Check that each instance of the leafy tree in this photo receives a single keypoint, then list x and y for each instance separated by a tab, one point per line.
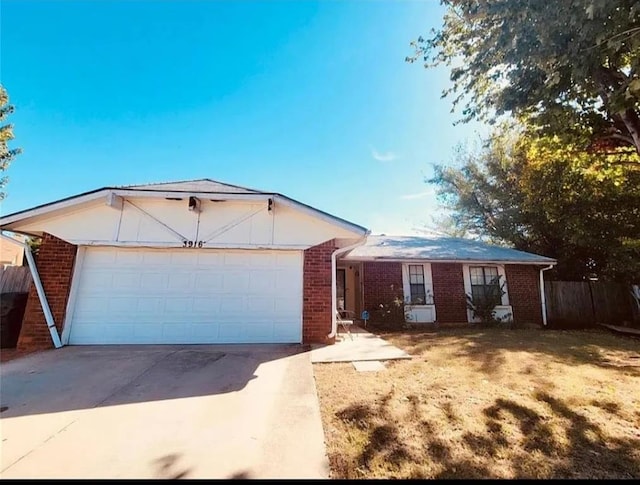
544	196
6	134
571	67
34	244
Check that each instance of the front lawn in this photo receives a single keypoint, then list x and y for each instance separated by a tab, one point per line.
478	403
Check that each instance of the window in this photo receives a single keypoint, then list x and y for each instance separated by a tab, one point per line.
485	284
416	284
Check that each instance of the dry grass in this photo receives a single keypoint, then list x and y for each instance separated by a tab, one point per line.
488	403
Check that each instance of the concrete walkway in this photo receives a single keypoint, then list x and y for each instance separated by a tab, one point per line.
198	411
363	346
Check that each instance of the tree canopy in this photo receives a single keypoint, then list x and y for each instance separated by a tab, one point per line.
6	134
539	194
568	67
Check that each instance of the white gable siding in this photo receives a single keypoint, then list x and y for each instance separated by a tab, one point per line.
166	223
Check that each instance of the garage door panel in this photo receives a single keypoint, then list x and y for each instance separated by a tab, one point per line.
229	332
187	296
177	305
284	332
96	280
100	257
207	331
148	332
153	280
150	305
122	304
124	257
262	281
209	258
180	281
261	260
235	281
207	282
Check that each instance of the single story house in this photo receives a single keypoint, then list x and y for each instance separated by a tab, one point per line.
208	262
432	276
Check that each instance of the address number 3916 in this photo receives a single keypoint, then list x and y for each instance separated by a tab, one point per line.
192	244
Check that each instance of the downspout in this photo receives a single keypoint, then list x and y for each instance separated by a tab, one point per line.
51	324
334	296
543	299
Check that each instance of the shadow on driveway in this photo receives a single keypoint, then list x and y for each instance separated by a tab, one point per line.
93	376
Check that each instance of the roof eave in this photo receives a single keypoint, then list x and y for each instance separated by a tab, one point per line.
382	259
45	209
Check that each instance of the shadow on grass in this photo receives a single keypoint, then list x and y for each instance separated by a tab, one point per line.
579	450
487	346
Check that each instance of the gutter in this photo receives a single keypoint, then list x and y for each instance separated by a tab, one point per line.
334	296
51	324
543	300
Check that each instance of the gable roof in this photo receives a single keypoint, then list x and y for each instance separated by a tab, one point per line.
198	185
439	248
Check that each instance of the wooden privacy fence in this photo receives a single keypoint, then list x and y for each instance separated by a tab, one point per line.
575	304
15	279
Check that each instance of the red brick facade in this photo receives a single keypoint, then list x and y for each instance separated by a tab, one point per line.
448	292
55	266
382	283
316	309
523	285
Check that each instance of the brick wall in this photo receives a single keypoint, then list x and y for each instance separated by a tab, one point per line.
316	310
382	283
448	292
55	266
523	285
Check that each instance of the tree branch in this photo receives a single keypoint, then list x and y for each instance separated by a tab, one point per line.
632	31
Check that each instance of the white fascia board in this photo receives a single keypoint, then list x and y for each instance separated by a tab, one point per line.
433	261
354	228
179	245
159	194
49	208
107	193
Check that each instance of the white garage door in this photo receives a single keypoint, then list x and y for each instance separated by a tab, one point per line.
152	296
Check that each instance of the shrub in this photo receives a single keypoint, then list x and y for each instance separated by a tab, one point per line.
485	308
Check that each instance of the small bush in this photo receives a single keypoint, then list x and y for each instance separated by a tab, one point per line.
485	309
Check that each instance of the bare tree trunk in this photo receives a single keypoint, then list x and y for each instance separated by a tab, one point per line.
632	122
607	79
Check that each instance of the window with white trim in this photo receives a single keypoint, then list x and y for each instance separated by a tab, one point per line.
416	284
485	284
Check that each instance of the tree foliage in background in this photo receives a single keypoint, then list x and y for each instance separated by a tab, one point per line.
568	67
541	194
6	134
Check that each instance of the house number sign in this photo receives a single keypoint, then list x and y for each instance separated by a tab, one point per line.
192	244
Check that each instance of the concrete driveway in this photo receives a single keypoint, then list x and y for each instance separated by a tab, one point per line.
241	411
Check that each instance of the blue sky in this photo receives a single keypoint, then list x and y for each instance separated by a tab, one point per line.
310	99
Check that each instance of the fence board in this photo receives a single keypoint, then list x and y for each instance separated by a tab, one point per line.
576	304
15	279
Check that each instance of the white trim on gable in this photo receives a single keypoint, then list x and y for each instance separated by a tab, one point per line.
112	196
502	311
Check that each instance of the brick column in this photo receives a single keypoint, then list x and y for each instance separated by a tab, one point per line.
523	284
448	292
55	265
316	310
382	284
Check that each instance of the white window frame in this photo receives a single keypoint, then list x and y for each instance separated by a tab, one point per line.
419	313
502	310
